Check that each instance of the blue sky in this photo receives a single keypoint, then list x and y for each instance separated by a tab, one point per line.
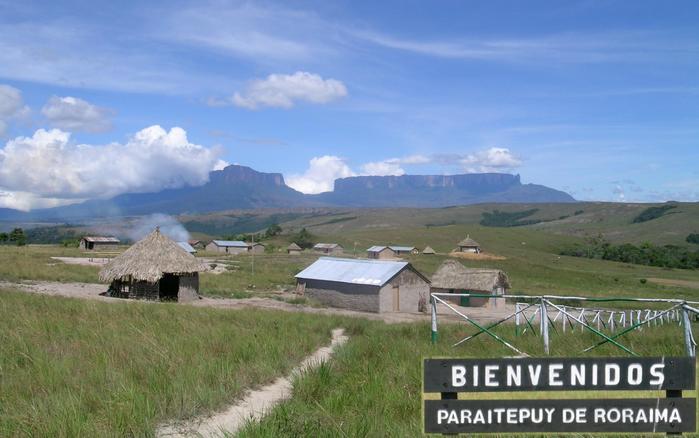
600	99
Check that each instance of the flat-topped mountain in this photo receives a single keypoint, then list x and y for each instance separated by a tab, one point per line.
240	187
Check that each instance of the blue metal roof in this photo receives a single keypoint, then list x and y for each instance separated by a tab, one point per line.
236	243
370	272
402	248
376	248
187	247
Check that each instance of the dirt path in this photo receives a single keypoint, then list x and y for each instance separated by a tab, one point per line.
93	291
255	404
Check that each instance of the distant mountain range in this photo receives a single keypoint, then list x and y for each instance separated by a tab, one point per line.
240	187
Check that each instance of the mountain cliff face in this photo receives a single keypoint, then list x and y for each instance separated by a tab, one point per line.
437	190
240	187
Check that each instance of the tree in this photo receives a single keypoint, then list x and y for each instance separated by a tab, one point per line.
303	238
273	230
18	237
4	237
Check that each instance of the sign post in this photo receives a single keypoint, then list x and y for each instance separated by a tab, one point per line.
449	377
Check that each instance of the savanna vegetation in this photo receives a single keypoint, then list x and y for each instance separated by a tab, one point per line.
498	218
373	385
72	368
651	213
667	256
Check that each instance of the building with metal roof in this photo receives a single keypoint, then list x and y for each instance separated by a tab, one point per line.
98	242
187	247
234	247
380	252
365	285
328	248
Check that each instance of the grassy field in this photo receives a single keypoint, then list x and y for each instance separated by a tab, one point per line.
72	368
373	386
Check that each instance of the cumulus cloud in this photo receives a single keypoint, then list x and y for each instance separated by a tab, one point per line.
321	175
11	106
73	114
490	160
283	91
55	170
392	166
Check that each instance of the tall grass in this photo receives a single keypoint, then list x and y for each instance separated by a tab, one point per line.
81	368
373	385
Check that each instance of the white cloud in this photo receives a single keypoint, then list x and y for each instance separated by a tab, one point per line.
73	114
321	175
48	168
380	168
392	166
11	106
490	160
282	91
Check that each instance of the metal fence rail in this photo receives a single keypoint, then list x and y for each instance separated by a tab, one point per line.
617	321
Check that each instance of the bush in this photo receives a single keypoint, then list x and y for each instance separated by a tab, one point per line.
693	238
651	213
504	219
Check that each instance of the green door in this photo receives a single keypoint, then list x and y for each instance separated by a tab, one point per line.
464	301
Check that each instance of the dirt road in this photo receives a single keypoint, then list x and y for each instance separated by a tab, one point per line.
93	291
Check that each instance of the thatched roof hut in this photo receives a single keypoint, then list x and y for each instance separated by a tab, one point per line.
155	267
428	250
469	245
294	249
453	275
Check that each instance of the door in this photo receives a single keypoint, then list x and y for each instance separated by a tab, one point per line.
396	299
169	287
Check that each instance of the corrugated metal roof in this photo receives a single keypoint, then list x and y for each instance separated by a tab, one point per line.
370	272
376	248
100	239
235	243
402	248
326	245
187	247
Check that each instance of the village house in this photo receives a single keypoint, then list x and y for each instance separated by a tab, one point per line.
453	277
155	268
469	245
98	242
328	248
365	285
196	244
428	250
234	247
187	247
404	250
380	252
294	249
390	252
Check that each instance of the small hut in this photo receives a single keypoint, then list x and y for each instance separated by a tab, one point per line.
380	252
98	242
469	245
328	248
155	268
294	249
428	250
453	277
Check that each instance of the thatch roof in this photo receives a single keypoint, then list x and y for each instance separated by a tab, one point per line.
149	259
454	275
469	242
294	247
428	250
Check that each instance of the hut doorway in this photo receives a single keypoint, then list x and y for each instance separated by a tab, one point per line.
169	287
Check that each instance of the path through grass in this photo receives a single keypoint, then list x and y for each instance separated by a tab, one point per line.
70	367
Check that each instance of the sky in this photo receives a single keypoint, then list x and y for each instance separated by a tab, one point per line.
597	98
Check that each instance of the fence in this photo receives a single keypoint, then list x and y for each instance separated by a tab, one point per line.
529	308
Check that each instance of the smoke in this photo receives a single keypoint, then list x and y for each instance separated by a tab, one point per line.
168	226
